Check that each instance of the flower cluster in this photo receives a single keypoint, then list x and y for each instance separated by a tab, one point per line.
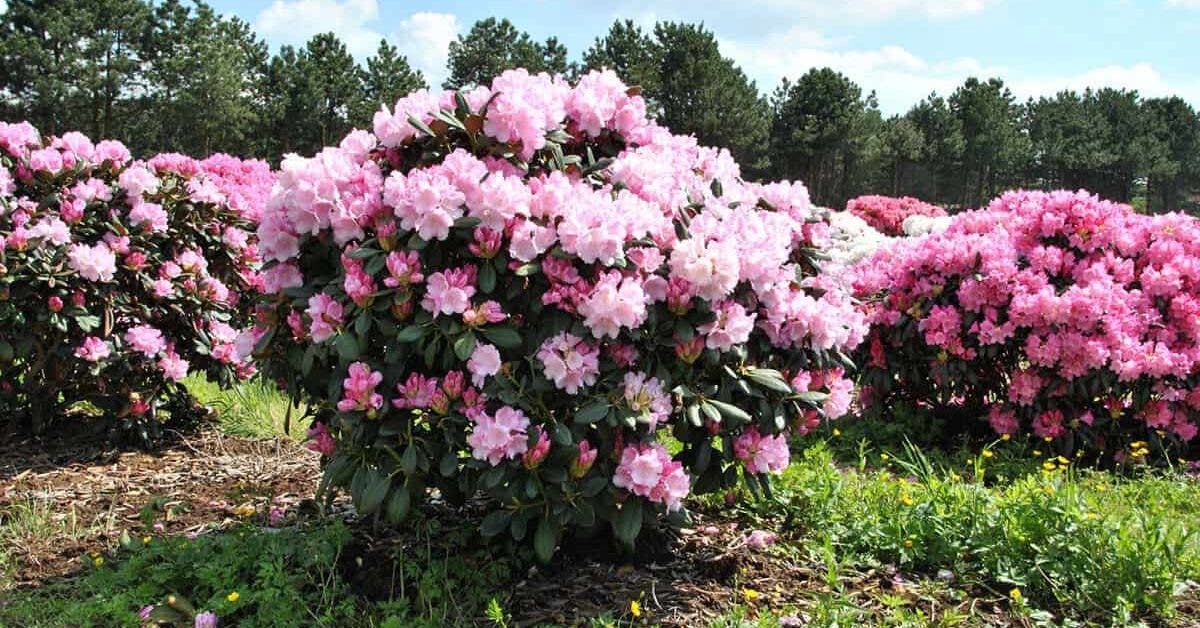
593	278
887	214
1054	312
119	277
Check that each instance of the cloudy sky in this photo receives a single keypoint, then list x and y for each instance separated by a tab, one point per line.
903	49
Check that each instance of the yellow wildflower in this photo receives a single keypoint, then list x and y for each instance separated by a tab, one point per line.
751	595
987	453
635	609
99	560
233	596
1015	594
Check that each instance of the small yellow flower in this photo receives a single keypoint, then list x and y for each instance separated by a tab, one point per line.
837	432
233	596
1037	452
99	560
956	477
1092	515
1049	466
987	453
1047	439
635	609
1048	489
1006	437
750	594
1063	461
884	457
145	540
908	543
906	499
1015	594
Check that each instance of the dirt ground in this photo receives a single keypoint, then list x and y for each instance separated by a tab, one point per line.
199	482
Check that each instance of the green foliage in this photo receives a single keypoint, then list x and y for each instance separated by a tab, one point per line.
493	46
1086	546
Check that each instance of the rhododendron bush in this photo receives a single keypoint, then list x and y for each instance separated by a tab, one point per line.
520	289
119	277
887	214
1057	313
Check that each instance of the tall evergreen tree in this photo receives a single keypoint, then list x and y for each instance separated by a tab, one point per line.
703	93
493	46
388	76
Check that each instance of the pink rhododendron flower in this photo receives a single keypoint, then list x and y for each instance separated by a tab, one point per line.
583	460
319	439
358	389
645	395
94	263
500	436
173	367
732	326
449	292
648	471
326	315
533	457
484	362
417	392
615	302
569	362
146	340
762	454
93	349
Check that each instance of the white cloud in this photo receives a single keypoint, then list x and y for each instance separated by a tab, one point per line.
901	78
425	39
884	9
296	21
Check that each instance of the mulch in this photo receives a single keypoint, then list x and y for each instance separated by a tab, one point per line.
191	484
200	482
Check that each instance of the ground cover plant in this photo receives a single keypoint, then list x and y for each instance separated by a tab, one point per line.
119	277
516	289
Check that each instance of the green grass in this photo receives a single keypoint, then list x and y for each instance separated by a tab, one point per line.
253	408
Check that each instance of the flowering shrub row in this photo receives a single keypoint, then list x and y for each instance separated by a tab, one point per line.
118	277
1056	312
521	288
887	214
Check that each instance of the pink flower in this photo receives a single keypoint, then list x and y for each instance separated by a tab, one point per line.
499	437
732	326
762	454
320	440
583	460
404	268
417	392
534	457
358	389
484	362
146	340
151	215
760	539
137	181
173	367
645	396
326	315
615	302
207	619
648	471
449	292
93	349
94	263
569	362
54	303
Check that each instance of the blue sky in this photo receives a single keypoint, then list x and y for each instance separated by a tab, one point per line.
903	49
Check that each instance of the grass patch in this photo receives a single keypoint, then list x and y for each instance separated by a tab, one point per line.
1085	546
253	408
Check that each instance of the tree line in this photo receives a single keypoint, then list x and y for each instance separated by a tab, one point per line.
177	76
